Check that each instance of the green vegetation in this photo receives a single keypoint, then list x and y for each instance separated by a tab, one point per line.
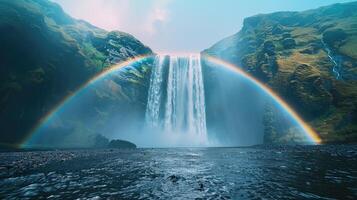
46	55
287	51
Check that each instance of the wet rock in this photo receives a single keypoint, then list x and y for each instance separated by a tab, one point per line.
200	186
121	144
173	178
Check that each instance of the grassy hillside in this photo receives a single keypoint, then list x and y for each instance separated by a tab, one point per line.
46	55
290	52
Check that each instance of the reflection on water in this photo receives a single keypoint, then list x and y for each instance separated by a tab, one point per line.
297	172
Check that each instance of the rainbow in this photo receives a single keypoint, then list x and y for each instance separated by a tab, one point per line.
69	97
307	129
233	68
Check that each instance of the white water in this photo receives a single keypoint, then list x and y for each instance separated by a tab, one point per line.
155	93
176	103
336	66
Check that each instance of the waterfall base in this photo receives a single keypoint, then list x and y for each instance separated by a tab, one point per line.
176	102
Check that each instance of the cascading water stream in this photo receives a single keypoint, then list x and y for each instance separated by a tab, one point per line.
154	95
336	64
177	108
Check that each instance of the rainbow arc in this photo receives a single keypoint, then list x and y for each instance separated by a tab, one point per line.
310	133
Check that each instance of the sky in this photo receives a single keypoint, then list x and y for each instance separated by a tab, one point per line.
179	26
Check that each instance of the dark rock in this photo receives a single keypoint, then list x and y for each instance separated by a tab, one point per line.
121	144
334	37
286	35
58	54
173	178
269	48
303	71
308	91
277	30
200	186
289	43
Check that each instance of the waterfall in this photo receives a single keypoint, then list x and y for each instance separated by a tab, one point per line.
155	93
176	102
336	63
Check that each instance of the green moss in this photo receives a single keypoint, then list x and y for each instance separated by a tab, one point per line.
303	71
45	55
36	76
349	48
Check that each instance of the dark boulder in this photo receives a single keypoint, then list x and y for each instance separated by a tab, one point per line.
121	144
173	178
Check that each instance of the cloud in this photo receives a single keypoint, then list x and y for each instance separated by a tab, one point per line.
157	16
109	14
142	18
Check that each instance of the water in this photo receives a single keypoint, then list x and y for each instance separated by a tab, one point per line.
176	103
335	60
155	93
285	172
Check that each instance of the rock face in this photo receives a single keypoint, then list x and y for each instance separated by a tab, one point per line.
46	55
299	55
121	144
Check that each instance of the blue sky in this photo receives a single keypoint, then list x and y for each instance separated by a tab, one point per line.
176	26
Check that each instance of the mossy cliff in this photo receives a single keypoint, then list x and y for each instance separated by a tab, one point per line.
309	58
46	55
